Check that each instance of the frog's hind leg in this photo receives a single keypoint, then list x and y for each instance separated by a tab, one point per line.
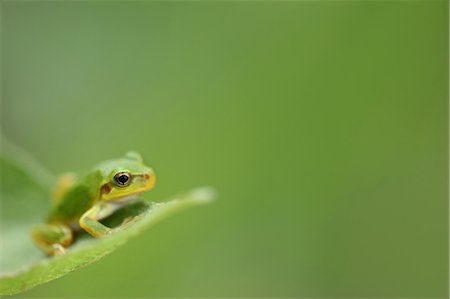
64	182
52	238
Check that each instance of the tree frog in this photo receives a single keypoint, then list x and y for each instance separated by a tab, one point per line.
79	203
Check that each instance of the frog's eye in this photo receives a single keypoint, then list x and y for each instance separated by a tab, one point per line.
122	179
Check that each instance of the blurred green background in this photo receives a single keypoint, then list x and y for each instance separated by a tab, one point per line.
323	125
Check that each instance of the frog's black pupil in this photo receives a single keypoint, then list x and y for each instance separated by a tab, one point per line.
122	178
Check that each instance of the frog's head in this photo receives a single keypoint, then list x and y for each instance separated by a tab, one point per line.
125	177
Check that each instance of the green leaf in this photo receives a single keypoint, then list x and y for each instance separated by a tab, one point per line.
24	201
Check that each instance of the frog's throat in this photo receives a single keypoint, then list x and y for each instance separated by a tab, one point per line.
125	199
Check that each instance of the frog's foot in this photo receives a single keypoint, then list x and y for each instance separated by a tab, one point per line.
53	239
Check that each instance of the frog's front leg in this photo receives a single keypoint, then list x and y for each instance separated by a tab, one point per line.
89	220
52	238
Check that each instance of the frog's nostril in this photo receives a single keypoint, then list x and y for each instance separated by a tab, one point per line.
149	178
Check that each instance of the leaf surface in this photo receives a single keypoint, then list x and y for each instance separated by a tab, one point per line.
24	202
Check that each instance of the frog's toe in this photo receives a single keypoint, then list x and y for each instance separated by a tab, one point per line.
58	249
52	238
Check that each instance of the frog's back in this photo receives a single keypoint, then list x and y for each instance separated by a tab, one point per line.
76	200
